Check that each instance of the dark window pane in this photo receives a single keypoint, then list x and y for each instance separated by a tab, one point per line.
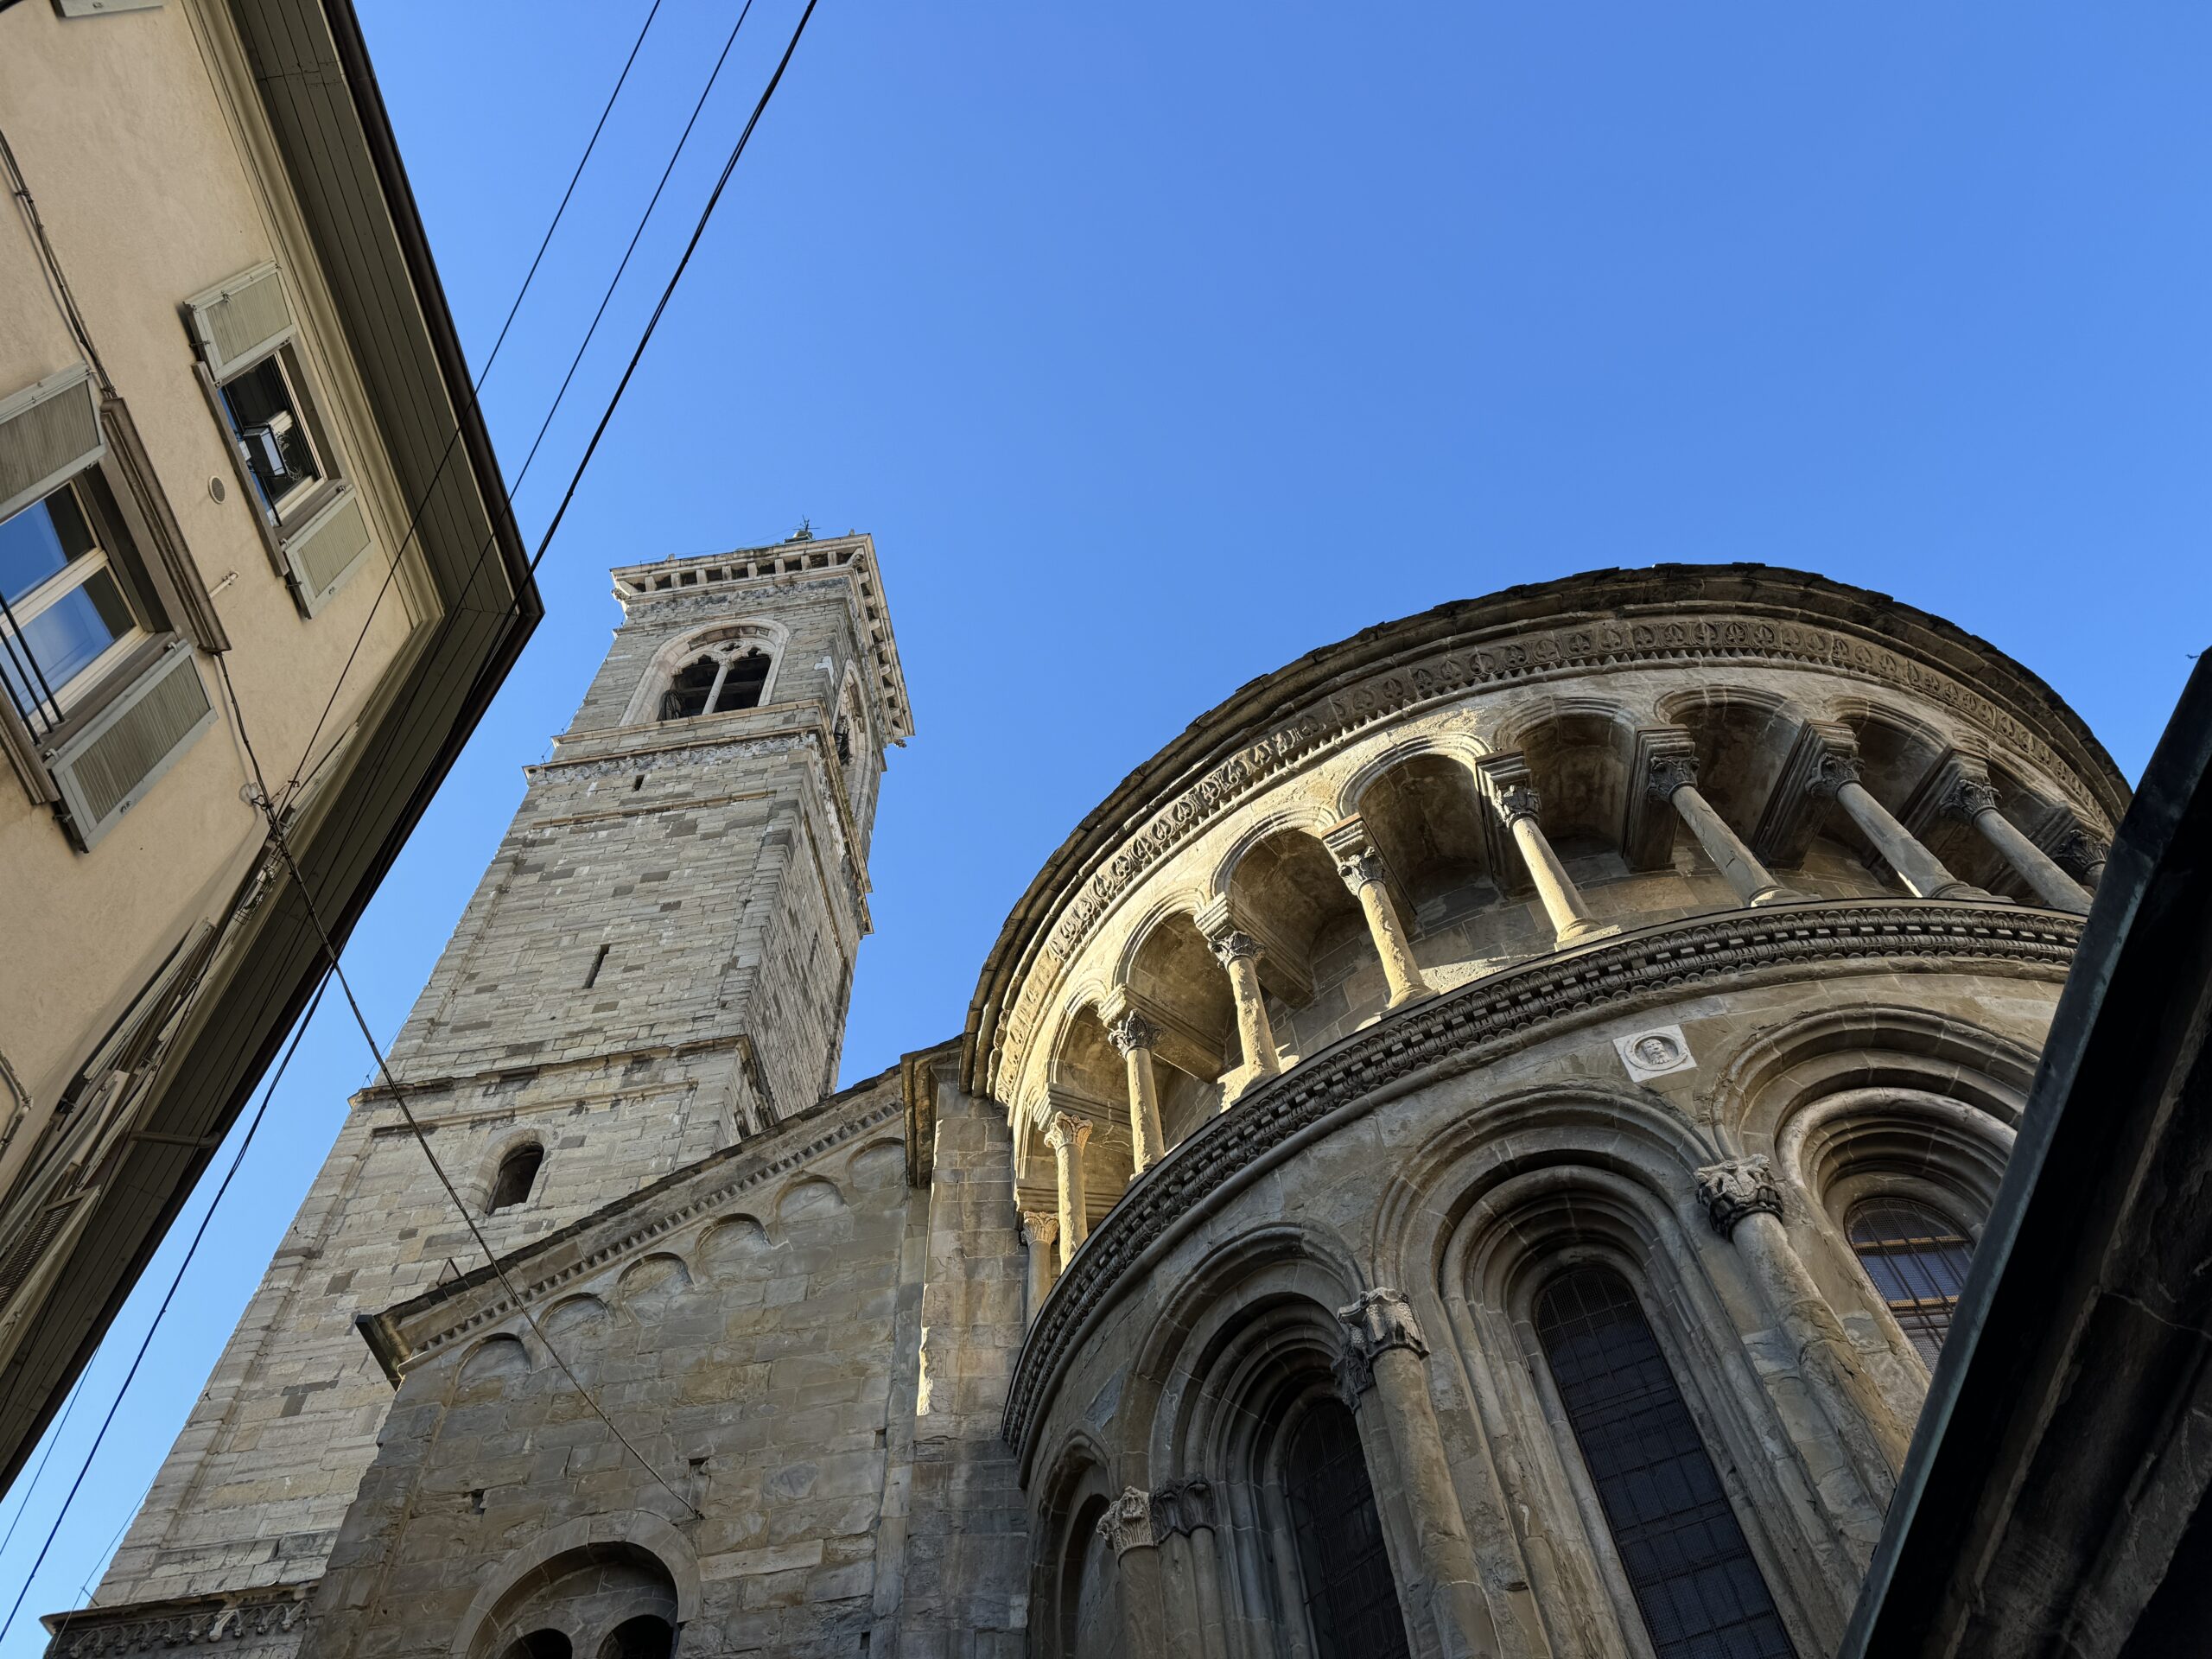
742	686
1352	1599
518	1174
1695	1583
271	432
687	693
1917	1262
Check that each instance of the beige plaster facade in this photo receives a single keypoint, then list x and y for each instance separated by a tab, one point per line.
163	154
1478	1054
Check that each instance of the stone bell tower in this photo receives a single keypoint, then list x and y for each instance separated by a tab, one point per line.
657	963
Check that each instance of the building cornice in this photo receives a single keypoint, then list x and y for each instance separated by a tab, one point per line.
1735	615
1448	1036
183	1622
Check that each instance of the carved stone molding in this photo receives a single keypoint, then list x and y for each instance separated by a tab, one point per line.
1181	1507
196	1621
1127	1524
1741	1187
1133	1031
1448	1034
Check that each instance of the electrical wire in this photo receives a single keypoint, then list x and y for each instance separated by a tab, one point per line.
191	1250
476	387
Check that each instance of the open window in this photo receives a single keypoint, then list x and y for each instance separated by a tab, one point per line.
517	1176
310	515
717	682
102	693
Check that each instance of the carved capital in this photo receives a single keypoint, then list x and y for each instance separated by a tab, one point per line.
1133	1031
1127	1524
1519	802
1835	770
1378	1321
2083	851
1741	1188
1234	946
1358	862
1182	1506
1670	773
1067	1131
1969	798
1040	1229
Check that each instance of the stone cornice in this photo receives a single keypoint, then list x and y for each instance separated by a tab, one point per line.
185	1622
419	1329
1752	615
1454	1033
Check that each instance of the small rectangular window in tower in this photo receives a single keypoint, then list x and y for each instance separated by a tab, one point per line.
597	963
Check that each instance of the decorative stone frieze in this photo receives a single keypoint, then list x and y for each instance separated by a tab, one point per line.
1452	1032
1128	1523
1741	1187
201	1622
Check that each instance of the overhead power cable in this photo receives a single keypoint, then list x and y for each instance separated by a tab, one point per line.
476	387
191	1250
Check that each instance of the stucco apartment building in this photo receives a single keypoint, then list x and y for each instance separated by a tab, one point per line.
235	439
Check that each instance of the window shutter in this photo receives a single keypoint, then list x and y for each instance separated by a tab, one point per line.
322	553
238	323
104	770
48	432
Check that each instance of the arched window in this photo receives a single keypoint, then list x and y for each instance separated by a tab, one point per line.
539	1644
1351	1601
1918	1261
518	1174
646	1637
1695	1583
715	684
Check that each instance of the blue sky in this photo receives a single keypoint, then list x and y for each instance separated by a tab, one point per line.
1158	344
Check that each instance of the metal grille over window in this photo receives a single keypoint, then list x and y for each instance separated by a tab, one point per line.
1695	1583
1918	1261
1351	1601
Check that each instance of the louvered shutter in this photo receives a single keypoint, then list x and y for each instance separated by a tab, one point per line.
238	323
104	770
49	433
322	552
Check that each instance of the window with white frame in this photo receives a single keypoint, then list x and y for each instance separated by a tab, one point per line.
69	610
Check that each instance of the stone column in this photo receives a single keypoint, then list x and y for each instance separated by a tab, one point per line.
1040	1231
1384	1353
1361	867
1742	1200
1674	781
1128	1529
1067	1134
1133	1038
1918	868
1240	954
1974	800
1571	922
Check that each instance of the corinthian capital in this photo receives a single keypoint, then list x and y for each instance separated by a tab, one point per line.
1836	769
1969	798
1067	1131
1233	946
1380	1320
1127	1524
1669	773
1040	1229
1132	1031
1741	1187
1520	802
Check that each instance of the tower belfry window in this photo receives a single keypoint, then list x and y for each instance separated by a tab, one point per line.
715	684
518	1174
